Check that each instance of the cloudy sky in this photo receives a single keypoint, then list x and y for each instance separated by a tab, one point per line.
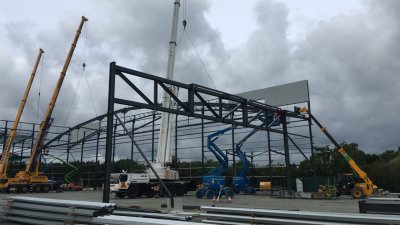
347	50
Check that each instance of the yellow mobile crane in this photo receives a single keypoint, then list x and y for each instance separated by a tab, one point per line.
30	178
363	186
5	156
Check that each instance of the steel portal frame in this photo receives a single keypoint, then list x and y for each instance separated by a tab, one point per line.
243	111
222	108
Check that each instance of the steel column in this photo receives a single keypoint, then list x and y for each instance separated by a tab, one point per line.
113	149
202	143
5	136
22	153
83	144
286	149
152	135
311	140
69	136
133	133
270	161
176	142
109	138
233	148
97	143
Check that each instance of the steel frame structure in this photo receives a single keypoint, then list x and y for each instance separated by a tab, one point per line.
242	112
202	116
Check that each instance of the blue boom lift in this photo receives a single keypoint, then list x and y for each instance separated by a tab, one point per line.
241	183
213	183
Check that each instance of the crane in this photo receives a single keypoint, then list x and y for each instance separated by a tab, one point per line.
5	156
30	178
137	184
242	182
363	185
167	120
213	181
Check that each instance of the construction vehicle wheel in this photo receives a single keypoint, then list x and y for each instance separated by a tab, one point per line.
200	193
133	191
179	189
119	195
246	191
149	193
252	190
24	189
229	192
236	190
37	188
357	193
46	188
210	194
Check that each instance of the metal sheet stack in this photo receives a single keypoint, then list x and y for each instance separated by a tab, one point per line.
242	216
380	205
125	220
31	210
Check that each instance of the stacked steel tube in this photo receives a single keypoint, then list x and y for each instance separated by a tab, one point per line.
31	210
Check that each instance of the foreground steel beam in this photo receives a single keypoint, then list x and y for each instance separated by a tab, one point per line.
125	220
304	215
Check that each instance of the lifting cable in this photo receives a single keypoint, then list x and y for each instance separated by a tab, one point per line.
201	61
185	31
80	78
84	65
73	98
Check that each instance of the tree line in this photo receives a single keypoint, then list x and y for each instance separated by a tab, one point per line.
381	168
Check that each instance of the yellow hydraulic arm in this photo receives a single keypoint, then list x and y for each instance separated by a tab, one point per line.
32	166
6	152
367	187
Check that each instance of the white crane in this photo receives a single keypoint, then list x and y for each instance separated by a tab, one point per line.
168	120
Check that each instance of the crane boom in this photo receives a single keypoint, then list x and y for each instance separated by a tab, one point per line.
6	152
167	120
367	187
32	166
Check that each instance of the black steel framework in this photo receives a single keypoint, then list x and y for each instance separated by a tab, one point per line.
207	112
198	102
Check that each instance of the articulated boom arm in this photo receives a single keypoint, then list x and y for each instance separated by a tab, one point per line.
245	163
69	175
33	159
357	170
6	152
219	154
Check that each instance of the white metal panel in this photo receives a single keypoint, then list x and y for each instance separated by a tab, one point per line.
286	94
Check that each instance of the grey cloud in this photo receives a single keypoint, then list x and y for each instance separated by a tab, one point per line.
265	56
351	62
